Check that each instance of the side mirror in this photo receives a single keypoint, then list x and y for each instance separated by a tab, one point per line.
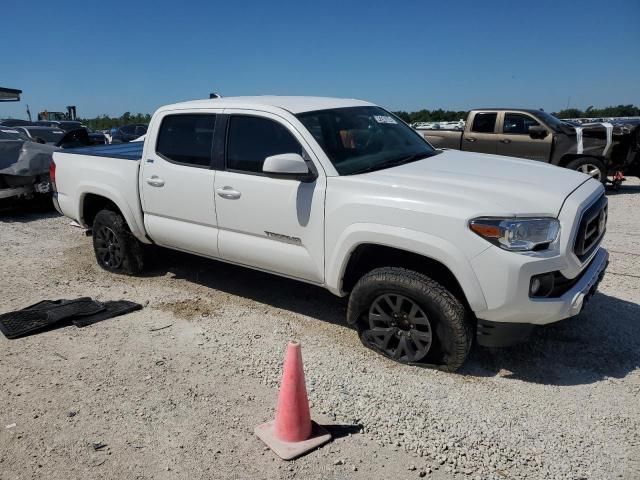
537	132
287	164
39	140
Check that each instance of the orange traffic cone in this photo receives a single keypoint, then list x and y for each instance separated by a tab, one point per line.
292	433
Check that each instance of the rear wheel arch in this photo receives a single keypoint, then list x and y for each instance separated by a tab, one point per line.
91	204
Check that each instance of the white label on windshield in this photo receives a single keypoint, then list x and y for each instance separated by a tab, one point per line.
10	131
58	131
384	119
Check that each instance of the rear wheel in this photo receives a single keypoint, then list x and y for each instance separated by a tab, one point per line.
115	247
590	166
410	318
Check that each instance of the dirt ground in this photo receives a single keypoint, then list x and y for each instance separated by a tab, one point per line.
175	390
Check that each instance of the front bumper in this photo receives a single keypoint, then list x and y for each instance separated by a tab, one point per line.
512	322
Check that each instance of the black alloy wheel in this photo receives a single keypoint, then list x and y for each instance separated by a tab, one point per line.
108	248
399	328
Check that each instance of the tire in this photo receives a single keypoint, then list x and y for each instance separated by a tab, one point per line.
590	166
436	314
115	247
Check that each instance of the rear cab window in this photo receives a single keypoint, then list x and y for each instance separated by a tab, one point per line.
186	139
484	122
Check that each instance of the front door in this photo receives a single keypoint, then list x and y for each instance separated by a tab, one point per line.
514	139
177	183
481	136
274	224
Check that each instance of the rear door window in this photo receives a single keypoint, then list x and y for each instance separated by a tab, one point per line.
252	139
484	122
186	139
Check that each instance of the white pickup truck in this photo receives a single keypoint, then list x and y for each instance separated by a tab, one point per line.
434	247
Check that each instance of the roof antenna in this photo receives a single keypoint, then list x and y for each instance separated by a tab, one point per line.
215	95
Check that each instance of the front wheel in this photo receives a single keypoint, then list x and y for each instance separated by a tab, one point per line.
590	166
410	318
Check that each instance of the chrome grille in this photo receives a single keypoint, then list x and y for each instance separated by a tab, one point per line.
593	224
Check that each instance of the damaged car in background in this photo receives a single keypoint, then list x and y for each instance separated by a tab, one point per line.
25	161
605	151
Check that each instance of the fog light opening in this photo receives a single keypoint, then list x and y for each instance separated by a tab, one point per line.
541	285
535	286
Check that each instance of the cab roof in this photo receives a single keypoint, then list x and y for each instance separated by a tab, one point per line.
293	105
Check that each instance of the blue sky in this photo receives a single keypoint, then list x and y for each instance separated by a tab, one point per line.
114	56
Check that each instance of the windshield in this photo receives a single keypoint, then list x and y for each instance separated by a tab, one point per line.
550	120
11	134
53	135
364	139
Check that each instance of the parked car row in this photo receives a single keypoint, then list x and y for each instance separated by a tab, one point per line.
50	131
47	131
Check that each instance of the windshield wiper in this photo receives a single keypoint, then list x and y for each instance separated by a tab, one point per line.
392	163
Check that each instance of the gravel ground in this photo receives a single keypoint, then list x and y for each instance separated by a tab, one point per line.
175	390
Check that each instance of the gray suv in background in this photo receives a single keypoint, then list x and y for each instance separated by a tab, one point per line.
127	133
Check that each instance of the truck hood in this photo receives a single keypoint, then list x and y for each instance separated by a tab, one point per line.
492	184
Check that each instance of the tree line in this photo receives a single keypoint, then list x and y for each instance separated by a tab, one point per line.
441	115
104	122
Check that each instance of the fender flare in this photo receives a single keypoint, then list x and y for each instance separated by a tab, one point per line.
137	228
420	243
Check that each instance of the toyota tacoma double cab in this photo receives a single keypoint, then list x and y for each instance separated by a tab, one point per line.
434	248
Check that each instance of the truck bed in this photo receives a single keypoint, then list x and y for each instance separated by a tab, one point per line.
126	151
109	171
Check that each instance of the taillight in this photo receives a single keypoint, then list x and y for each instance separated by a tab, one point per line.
52	173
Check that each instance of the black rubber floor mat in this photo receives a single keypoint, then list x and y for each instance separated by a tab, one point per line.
45	314
18	324
81	312
111	309
62	309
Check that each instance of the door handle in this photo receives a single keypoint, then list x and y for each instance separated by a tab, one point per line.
155	181
470	139
229	193
505	140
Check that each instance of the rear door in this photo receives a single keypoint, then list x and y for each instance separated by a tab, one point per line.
481	134
176	182
514	139
274	224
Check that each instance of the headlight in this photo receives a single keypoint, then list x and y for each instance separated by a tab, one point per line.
517	234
